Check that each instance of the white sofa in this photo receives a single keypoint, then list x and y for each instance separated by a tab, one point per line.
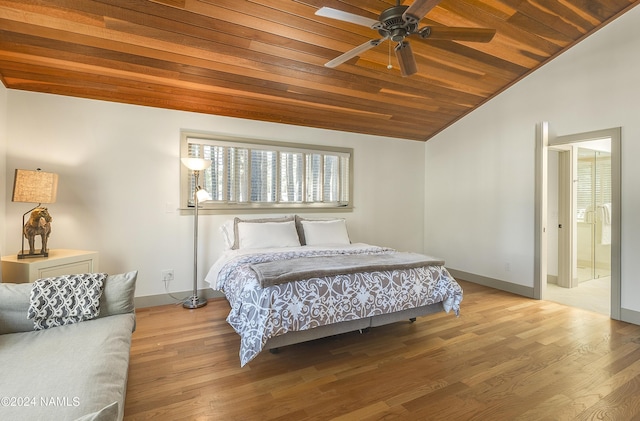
72	372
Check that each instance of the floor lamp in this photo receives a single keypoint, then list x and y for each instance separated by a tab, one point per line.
199	194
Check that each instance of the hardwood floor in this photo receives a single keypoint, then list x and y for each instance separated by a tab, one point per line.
505	358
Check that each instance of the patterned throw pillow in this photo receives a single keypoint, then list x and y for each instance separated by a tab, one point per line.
65	299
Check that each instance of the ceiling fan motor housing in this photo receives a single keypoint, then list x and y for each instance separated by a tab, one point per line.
393	25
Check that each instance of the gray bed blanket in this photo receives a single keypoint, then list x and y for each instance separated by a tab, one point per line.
281	271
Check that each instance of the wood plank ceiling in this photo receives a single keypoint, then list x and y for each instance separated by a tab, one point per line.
264	59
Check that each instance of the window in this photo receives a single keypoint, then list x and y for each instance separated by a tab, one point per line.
248	173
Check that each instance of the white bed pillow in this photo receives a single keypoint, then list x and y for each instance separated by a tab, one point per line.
236	221
317	233
267	235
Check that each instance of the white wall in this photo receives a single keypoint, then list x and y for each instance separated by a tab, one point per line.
3	148
118	190
482	168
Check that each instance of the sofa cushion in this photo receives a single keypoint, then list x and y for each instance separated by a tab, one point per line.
14	305
67	372
117	298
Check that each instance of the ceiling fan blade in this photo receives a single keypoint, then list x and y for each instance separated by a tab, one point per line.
329	12
457	34
418	9
406	59
354	52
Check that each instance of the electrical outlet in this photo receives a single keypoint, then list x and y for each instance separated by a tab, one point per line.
166	275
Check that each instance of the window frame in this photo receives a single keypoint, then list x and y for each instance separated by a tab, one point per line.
186	178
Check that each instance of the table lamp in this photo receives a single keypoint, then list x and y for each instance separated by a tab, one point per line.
35	187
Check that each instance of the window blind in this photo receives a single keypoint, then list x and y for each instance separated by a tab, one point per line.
267	174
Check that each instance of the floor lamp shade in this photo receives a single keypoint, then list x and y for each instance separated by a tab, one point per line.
196	164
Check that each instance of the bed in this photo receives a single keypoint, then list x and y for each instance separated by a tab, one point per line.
293	279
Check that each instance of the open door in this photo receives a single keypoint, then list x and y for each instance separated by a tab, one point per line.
566	210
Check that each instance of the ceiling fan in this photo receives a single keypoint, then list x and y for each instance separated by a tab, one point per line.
399	22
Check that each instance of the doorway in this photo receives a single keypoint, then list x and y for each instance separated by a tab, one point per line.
579	274
547	224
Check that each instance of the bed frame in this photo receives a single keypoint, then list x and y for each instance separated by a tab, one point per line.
291	338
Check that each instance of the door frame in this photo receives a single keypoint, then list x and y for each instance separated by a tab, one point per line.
543	141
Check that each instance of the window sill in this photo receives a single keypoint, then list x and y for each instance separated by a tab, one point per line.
273	208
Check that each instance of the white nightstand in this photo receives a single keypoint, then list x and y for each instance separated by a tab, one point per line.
59	262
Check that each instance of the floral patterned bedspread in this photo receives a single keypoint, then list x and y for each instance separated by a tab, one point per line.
258	314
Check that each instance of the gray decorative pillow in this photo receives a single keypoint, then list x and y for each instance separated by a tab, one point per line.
66	299
117	297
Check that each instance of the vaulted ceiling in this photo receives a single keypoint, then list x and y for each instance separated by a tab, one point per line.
264	59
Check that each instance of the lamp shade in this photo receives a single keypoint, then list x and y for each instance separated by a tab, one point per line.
202	195
196	164
35	186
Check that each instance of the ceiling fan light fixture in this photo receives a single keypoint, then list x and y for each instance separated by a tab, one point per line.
397	35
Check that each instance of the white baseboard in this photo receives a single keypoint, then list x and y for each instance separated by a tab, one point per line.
626	315
493	283
630	316
163	299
